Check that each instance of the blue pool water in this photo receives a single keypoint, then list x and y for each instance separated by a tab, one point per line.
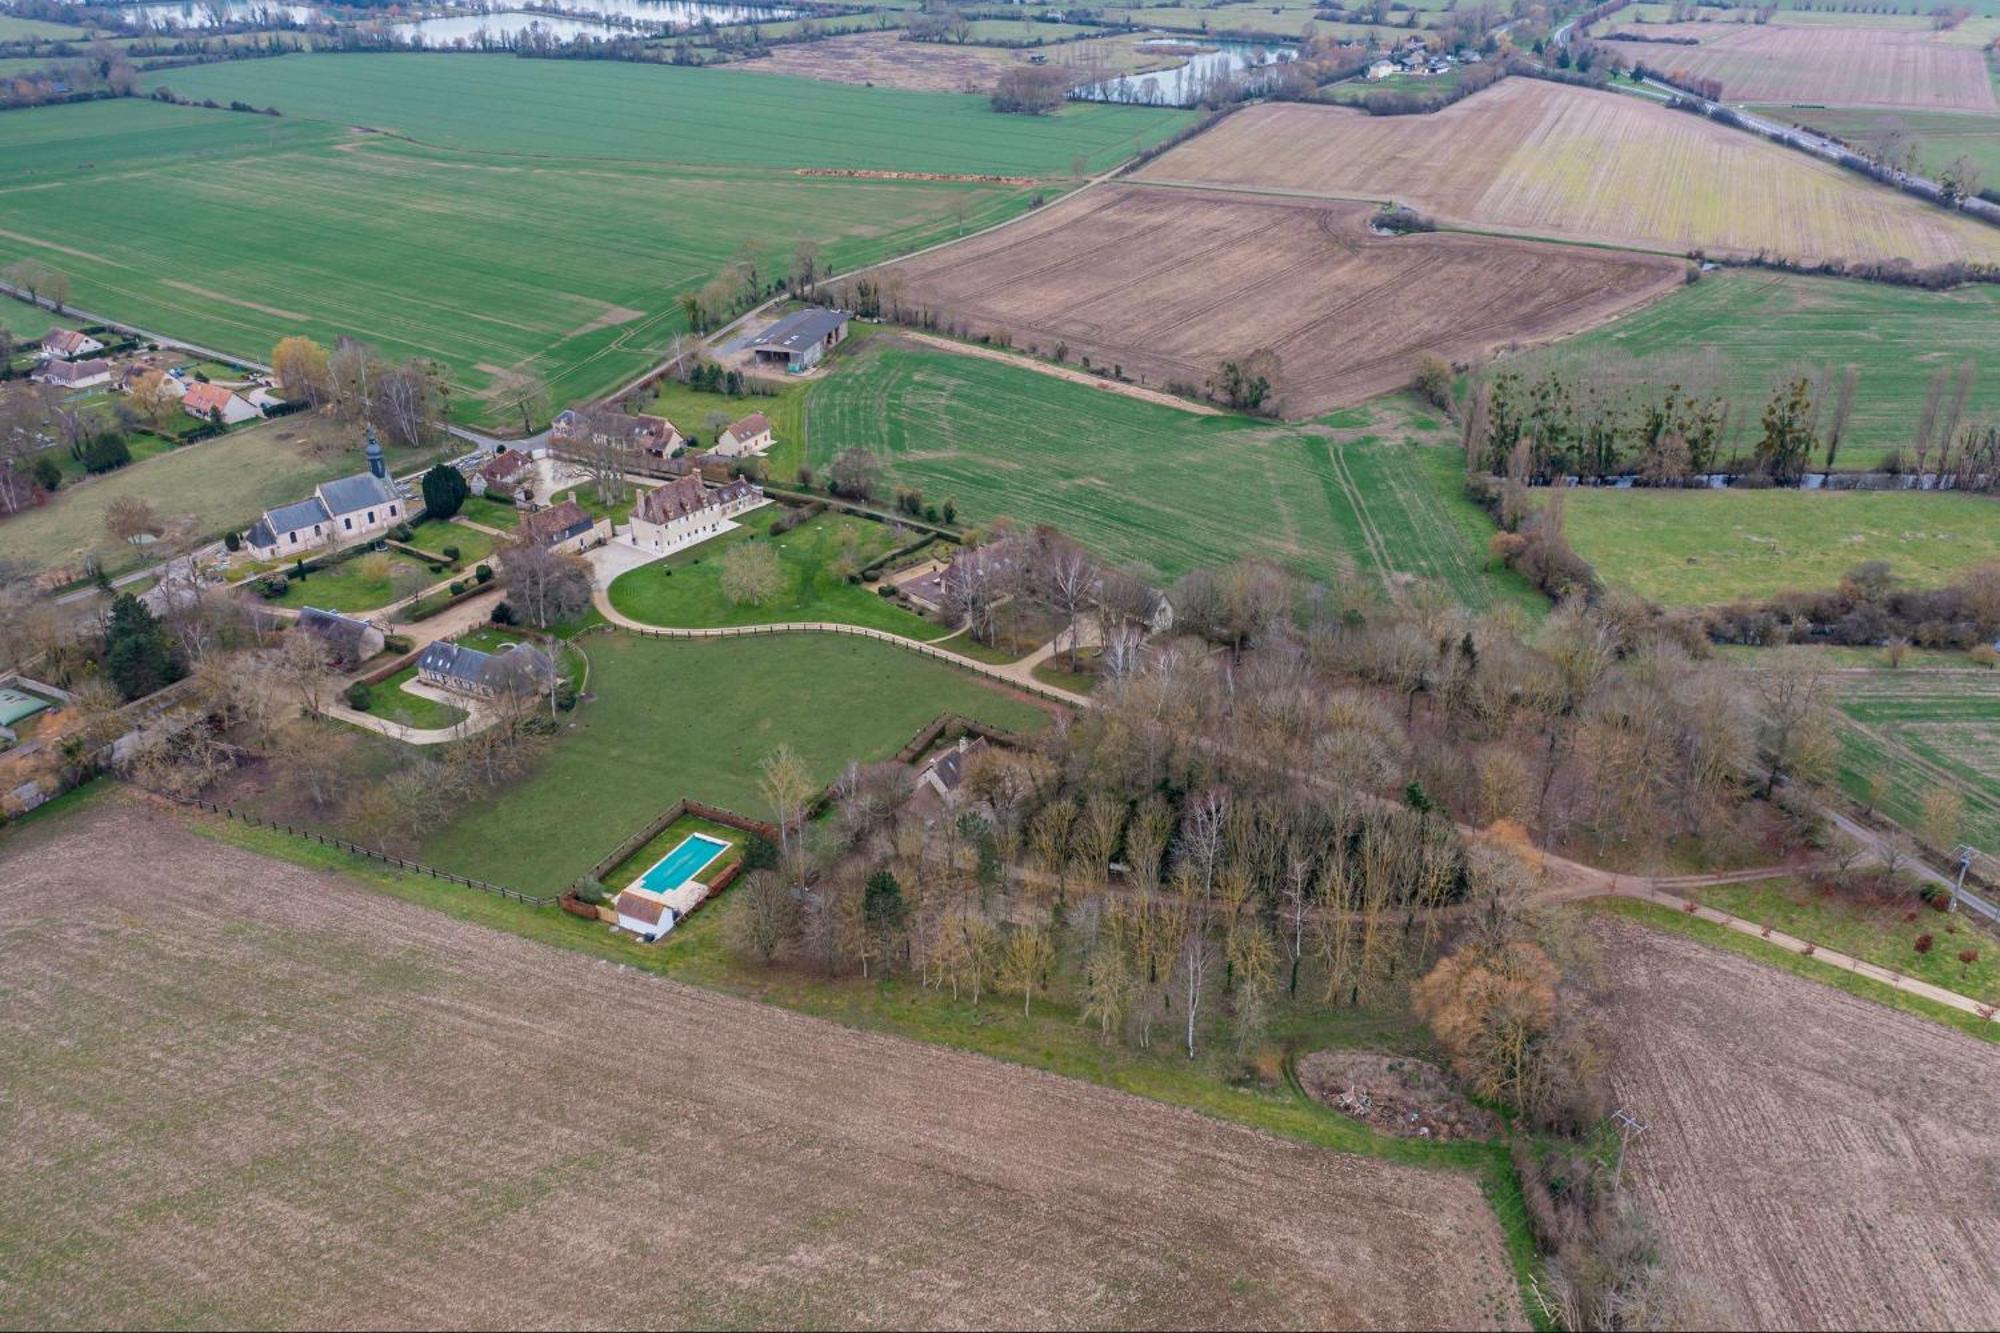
683	863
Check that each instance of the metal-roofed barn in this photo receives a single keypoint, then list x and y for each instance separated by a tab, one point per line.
800	341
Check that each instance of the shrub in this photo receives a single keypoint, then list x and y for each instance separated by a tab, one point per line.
359	695
457	587
46	474
590	891
885	591
232	541
451	553
106	452
273	586
1986	655
503	614
397	643
1924	942
483	574
401	532
1968	956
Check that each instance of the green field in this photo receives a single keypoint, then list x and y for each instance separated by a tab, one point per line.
1155	488
653	735
1707	547
203	488
684	591
13	28
1750	327
27	322
1925	729
541	215
1943	134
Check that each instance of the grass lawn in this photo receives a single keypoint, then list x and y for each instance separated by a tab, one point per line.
473	545
29	322
965	645
675	718
1746	328
391	701
491	513
347	586
1707	547
206	488
684	591
234	230
689	410
1161	490
1722	937
1875	932
1922	730
13	28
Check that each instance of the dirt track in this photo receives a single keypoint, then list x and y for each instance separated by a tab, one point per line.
1816	1160
239	1092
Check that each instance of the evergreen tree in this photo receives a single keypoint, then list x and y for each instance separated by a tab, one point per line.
444	491
138	655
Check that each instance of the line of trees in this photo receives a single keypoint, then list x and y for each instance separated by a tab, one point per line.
404	402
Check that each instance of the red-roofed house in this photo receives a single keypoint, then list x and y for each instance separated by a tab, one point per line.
752	435
206	402
68	344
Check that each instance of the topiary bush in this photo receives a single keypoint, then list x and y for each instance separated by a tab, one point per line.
359	695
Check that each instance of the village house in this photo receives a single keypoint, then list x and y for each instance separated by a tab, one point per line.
74	374
212	402
517	669
502	475
799	341
604	428
685	510
349	641
751	435
337	512
562	527
940	783
68	344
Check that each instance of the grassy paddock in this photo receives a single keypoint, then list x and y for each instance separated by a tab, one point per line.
1923	730
1707	547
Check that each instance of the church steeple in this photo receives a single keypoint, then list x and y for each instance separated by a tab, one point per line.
376	464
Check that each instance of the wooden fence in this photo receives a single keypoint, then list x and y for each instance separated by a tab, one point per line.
659	824
342	844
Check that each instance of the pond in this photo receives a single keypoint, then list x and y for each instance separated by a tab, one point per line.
501	29
674	13
1184	84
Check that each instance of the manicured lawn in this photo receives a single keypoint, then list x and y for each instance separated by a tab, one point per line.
1875	932
1706	547
490	513
1157	489
689	410
675	718
965	645
684	591
158	232
473	545
1746	328
391	701
348	587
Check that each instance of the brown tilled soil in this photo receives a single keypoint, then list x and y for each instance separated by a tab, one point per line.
1166	283
238	1092
886	61
1815	1160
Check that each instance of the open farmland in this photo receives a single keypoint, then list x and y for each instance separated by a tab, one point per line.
885	60
1815	1160
1160	490
1841	66
1741	331
1922	730
1940	136
233	230
1706	547
247	1094
1166	284
1546	159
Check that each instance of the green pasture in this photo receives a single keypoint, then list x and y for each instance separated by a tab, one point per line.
1942	135
14	28
653	735
1707	547
684	590
1923	730
1155	488
1746	329
28	322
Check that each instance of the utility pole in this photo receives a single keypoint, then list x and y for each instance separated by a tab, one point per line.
1965	854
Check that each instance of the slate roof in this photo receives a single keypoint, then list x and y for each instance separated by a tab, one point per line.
797	332
74	372
298	516
556	524
949	767
473	667
349	494
345	633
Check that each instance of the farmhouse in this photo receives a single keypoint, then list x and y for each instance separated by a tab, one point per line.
348	509
349	641
751	435
501	474
798	342
517	669
211	402
564	527
668	516
623	431
74	374
68	344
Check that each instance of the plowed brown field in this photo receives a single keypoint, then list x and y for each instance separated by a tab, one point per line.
1167	283
1816	1160
1546	159
1837	66
241	1093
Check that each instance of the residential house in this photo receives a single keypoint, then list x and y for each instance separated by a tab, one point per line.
800	341
602	427
517	669
643	914
1381	69
338	512
74	374
68	344
349	641
503	475
210	402
564	526
751	435
940	783
685	510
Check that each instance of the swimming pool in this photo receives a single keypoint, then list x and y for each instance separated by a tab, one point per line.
694	854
